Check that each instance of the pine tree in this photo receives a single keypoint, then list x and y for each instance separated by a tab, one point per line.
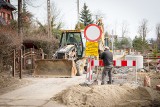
85	15
140	45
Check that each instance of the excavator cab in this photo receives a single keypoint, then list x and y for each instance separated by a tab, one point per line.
73	37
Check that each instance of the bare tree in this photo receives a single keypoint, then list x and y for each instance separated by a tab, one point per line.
9	40
98	15
32	3
143	29
55	14
158	31
125	29
158	35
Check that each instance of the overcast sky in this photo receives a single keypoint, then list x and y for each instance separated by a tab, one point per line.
114	13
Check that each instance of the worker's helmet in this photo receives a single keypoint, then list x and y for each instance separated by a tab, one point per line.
106	48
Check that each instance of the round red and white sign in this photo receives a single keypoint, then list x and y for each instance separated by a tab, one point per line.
92	32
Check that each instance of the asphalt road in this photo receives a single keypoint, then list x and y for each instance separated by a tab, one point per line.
39	92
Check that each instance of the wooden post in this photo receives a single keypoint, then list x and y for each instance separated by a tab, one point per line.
32	57
42	54
24	60
20	70
14	63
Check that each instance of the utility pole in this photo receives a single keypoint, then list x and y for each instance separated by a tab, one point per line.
20	35
20	20
78	14
49	18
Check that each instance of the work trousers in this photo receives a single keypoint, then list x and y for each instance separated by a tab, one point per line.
107	71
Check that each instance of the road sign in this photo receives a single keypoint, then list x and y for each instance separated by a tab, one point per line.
92	32
91	48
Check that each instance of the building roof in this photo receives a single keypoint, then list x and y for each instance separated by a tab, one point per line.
6	4
2	21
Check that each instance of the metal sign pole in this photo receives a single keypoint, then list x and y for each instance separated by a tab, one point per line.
89	69
87	74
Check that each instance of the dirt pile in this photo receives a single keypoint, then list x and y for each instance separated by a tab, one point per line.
108	96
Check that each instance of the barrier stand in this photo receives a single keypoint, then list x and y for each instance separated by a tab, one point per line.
136	72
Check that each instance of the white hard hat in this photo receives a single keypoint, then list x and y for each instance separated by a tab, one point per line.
106	47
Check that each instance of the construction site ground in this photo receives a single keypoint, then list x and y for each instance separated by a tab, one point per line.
33	92
61	92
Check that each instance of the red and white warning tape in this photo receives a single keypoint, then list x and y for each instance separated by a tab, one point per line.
92	63
115	63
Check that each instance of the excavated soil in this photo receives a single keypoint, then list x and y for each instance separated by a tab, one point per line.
126	95
109	96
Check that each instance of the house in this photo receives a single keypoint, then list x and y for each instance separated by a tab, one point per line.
6	12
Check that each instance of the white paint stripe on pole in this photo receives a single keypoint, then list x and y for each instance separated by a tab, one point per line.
88	65
88	70
87	75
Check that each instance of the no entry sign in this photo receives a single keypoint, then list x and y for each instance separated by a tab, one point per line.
92	32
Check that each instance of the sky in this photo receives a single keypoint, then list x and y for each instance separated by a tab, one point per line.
113	12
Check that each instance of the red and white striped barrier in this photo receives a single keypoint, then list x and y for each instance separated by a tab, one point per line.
120	63
115	63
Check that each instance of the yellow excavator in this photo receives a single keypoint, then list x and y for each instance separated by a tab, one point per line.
69	60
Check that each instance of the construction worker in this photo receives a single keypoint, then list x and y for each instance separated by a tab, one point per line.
72	40
107	57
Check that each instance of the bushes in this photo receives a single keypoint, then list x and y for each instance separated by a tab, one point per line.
49	45
9	41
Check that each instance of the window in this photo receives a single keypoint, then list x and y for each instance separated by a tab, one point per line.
8	17
3	15
73	38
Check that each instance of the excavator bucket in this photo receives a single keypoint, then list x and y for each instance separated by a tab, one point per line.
55	68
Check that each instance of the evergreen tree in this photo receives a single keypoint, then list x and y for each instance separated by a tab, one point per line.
85	15
123	44
140	45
